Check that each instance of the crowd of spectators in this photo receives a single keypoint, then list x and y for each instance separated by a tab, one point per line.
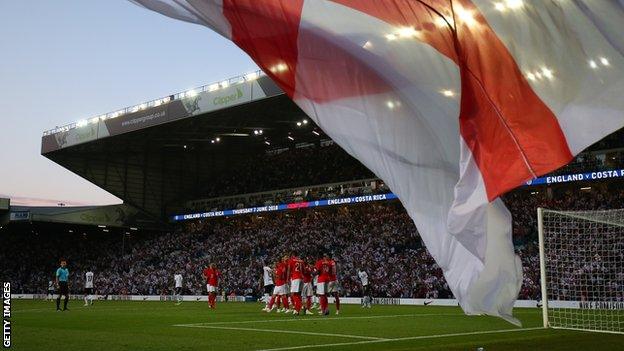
378	237
297	168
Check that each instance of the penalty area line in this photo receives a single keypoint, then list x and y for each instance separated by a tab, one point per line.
370	338
422	337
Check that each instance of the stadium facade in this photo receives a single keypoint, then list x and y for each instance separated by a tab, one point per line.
159	155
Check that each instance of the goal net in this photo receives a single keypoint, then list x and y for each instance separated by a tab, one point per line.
582	276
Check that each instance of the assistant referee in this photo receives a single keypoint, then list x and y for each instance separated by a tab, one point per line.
62	277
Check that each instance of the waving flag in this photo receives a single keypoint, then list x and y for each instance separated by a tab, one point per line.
451	102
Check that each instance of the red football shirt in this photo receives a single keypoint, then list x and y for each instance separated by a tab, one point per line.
280	274
307	274
332	270
296	268
212	276
323	268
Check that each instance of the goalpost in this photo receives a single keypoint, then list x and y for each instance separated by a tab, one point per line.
582	276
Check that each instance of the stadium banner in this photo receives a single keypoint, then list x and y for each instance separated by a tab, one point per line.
145	118
217	97
288	206
19	216
112	215
577	177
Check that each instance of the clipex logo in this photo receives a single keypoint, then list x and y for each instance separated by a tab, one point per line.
224	100
6	314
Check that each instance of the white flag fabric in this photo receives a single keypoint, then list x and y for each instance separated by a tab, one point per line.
451	102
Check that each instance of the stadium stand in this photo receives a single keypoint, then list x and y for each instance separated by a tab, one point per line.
379	237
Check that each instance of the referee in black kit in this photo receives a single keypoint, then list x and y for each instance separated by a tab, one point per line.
62	278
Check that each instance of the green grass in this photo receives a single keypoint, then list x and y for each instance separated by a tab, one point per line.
151	326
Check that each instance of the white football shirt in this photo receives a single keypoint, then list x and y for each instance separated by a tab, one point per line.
363	277
89	280
178	280
266	275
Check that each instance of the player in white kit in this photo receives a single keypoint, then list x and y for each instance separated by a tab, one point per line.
268	285
366	298
178	287
88	286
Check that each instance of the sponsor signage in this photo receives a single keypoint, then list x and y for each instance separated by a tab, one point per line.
20	216
289	206
190	105
597	175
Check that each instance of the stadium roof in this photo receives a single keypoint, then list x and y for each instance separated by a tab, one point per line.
156	155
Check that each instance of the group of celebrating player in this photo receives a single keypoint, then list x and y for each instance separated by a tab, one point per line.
292	279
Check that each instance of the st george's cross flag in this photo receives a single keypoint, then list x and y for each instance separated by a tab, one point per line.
451	102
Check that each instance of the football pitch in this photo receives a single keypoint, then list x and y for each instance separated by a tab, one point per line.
127	325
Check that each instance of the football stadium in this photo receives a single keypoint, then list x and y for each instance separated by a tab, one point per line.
252	219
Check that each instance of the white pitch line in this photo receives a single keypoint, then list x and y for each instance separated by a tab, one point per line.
319	319
403	339
282	331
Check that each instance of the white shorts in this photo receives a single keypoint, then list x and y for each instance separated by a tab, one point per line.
211	288
307	289
279	290
296	286
321	288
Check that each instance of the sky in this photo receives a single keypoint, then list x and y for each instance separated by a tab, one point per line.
67	60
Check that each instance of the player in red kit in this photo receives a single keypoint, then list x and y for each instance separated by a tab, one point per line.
323	268
279	292
333	287
212	276
295	273
307	290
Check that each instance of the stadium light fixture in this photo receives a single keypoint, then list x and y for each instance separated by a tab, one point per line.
593	64
101	226
133	228
218	139
267	142
298	124
251	76
291	138
604	61
212	141
367	45
390	105
531	76
586	188
305	121
184	147
315	132
213	87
